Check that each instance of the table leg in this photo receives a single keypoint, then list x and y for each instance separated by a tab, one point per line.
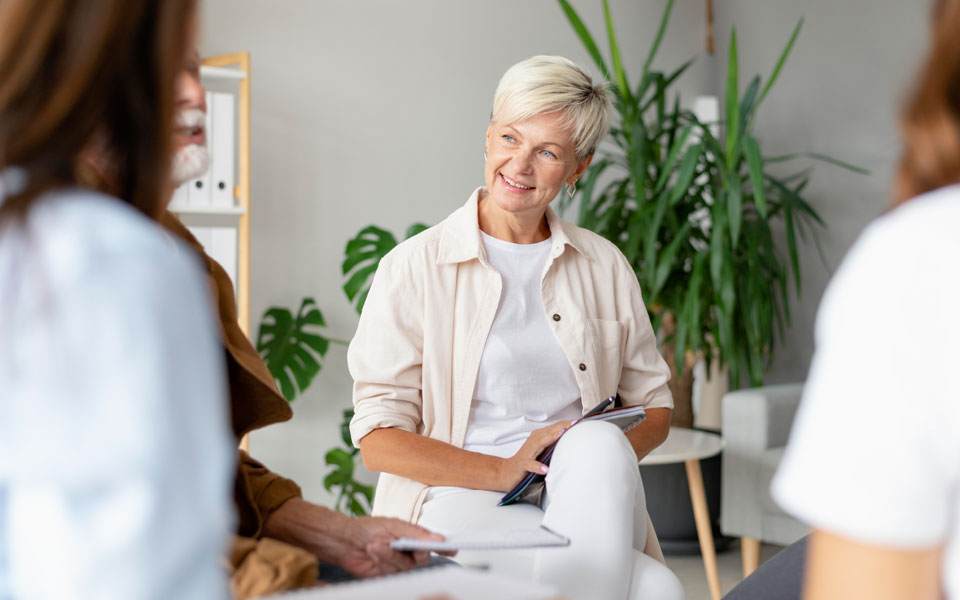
750	552
704	531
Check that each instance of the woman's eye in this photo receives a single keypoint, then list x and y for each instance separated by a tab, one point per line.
549	154
508	138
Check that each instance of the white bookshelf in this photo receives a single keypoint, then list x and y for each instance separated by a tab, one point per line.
208	73
222	223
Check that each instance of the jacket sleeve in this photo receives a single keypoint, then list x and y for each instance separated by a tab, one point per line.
386	354
267	489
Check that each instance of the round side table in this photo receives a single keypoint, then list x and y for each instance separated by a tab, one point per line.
689	446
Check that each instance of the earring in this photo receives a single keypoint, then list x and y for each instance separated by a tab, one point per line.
572	189
484	155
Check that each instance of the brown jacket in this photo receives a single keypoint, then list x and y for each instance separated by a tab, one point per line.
254	403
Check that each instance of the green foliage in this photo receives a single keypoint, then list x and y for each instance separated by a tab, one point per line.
355	497
292	347
362	257
694	214
292	350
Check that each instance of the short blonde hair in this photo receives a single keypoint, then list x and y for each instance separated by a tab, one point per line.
547	84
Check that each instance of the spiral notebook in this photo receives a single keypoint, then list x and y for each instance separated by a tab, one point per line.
438	582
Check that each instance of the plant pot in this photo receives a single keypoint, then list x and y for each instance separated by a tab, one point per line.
670	509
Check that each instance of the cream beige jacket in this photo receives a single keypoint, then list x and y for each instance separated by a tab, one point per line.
415	356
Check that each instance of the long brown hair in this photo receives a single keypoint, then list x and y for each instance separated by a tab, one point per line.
931	118
79	73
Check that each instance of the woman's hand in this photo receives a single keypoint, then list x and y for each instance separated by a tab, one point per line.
511	471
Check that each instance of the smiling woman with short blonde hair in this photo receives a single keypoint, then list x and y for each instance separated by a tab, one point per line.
485	338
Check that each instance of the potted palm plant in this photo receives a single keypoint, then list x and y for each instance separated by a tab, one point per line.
695	213
694	207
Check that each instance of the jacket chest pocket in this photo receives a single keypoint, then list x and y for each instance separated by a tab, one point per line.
607	345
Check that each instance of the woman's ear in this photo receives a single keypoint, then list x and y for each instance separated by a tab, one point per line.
580	169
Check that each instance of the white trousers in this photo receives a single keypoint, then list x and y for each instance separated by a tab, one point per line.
595	497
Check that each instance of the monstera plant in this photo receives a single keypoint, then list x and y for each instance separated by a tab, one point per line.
363	254
695	211
293	347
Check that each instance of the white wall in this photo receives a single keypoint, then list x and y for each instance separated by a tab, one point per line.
373	111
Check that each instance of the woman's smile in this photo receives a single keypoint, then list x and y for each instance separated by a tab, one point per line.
514	185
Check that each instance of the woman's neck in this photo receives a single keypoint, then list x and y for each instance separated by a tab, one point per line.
517	228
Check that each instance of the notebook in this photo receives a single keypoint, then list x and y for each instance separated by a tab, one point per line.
531	488
445	582
491	539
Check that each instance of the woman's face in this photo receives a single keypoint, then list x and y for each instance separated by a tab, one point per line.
528	162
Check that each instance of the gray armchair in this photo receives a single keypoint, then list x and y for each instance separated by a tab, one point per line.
756	425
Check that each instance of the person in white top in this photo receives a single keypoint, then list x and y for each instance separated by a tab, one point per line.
115	453
873	462
485	338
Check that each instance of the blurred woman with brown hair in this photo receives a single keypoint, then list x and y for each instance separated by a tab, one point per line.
874	459
114	462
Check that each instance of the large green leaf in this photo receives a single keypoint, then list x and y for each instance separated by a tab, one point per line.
685	176
688	322
818	156
755	165
661	30
781	61
747	105
292	347
619	74
718	251
672	155
362	257
585	38
734	210
733	103
668	256
664	81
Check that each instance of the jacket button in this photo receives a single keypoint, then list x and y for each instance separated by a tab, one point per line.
556	317
583	367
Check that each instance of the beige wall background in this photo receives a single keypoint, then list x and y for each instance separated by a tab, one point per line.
373	111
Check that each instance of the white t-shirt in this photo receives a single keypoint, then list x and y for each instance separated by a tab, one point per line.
525	381
875	451
116	459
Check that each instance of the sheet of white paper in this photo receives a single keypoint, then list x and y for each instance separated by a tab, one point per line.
448	582
491	539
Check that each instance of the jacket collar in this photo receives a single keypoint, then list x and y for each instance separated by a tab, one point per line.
460	234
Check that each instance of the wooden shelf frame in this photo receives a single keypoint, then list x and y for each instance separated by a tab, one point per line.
218	67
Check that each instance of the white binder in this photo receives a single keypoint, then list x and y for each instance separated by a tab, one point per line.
222	148
198	194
